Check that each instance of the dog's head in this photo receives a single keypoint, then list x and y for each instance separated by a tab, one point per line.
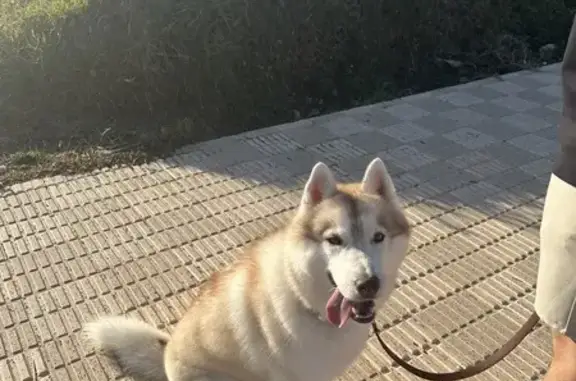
360	237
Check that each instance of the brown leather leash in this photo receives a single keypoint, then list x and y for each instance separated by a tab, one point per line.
472	370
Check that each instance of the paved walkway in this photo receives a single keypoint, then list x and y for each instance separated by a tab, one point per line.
471	163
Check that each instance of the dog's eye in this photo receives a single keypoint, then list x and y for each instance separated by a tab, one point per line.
335	240
378	237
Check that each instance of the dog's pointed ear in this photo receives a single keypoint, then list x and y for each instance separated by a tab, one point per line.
320	185
377	181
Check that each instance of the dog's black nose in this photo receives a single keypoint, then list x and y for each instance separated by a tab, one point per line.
369	288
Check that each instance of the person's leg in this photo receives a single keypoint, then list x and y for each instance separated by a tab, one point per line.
556	288
563	364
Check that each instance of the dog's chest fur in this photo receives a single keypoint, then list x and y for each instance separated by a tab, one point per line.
301	345
321	352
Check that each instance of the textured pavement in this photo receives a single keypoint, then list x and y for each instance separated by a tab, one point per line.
471	164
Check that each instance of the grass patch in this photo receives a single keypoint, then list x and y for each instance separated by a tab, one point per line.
28	158
148	76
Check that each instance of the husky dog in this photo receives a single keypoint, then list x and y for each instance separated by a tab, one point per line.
296	307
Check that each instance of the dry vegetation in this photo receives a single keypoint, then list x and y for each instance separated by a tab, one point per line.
130	79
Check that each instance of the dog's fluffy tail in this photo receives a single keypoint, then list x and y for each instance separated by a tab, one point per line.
137	347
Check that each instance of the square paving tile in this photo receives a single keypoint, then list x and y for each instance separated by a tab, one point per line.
337	150
274	143
464	116
461	98
535	144
437	123
526	122
373	141
406	111
506	87
515	103
408	157
407	132
343	125
310	134
432	105
470	138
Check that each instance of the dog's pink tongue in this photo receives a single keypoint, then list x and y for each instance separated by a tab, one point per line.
338	309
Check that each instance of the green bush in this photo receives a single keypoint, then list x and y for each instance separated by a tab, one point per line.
235	65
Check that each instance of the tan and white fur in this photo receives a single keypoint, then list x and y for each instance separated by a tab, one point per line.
266	317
